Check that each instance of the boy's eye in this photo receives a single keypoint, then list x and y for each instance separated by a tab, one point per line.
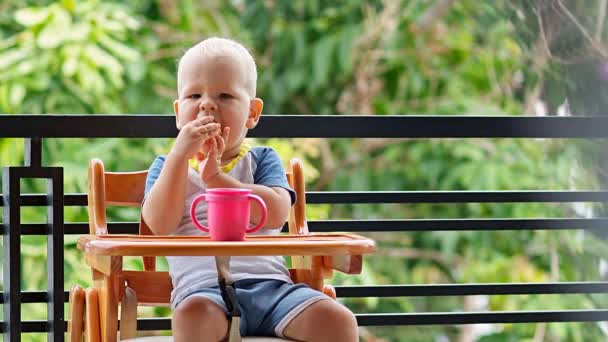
225	96
194	96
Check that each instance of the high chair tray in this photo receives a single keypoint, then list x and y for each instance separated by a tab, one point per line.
158	245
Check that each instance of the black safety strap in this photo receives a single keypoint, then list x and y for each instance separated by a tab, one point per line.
228	293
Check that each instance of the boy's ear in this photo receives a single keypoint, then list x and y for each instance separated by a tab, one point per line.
255	110
176	111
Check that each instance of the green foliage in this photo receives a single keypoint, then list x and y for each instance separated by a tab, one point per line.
70	57
314	57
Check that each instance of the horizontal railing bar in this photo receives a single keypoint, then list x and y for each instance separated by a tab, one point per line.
432	290
79	228
440	318
37	200
148	324
32	327
455	224
388	319
362	197
37	326
39	297
314	126
435	290
334	197
143	324
406	225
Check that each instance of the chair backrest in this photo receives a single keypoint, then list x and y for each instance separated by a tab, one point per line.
115	188
125	188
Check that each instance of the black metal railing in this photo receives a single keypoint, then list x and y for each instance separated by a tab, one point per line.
34	128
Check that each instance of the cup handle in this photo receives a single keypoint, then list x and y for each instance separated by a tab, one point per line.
264	213
193	213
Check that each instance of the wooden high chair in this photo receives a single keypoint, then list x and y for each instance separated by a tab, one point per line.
94	311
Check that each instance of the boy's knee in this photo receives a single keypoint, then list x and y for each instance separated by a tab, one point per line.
324	320
198	306
199	313
337	316
337	323
345	317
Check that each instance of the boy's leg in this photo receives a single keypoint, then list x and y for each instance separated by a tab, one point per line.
324	320
198	318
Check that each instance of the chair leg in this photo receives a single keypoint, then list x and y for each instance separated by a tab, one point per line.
108	288
76	309
92	331
128	314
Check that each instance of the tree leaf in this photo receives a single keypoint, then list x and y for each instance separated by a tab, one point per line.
78	32
102	59
69	67
322	60
119	49
11	56
17	94
136	71
31	16
347	37
69	5
127	20
56	31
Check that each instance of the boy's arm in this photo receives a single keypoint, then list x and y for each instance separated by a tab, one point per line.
277	199
164	205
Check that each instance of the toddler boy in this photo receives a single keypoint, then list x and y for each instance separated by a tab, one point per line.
216	105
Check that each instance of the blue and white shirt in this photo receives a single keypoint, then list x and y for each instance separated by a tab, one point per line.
261	165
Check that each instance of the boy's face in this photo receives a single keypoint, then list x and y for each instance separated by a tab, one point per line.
216	86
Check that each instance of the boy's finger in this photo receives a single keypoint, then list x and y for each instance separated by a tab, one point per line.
208	135
210	127
221	144
210	152
216	148
198	123
206	147
203	119
226	133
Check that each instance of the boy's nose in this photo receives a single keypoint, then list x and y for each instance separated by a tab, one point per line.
208	105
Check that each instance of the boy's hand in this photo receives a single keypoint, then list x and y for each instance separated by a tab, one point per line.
214	149
193	134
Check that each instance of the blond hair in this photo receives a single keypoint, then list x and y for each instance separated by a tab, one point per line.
215	47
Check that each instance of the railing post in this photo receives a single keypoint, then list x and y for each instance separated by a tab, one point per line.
33	152
12	240
54	255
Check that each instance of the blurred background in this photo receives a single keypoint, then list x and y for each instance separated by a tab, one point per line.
355	57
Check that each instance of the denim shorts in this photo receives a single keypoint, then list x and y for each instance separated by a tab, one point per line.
267	305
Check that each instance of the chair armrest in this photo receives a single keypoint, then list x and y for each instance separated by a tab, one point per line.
349	264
